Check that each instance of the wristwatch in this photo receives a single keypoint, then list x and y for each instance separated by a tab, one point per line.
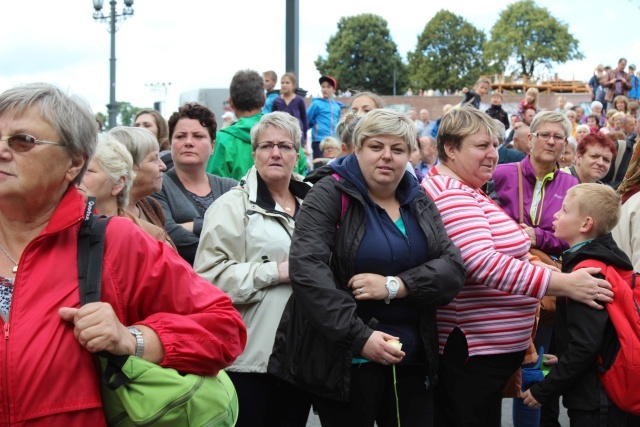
139	340
392	286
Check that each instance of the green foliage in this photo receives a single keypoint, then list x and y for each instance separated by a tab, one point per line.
448	54
127	112
362	56
529	36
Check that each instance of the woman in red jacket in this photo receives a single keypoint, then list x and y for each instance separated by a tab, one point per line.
47	368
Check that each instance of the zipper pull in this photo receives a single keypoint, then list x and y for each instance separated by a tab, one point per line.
6	331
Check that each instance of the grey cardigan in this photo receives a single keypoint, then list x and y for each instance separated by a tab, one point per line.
179	208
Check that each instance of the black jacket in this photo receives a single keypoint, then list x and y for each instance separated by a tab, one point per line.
496	112
320	331
582	334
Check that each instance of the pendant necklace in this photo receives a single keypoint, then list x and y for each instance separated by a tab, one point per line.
15	269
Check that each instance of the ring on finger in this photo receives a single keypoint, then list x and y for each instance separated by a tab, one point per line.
597	296
359	290
384	362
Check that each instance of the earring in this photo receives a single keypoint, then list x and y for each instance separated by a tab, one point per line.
562	158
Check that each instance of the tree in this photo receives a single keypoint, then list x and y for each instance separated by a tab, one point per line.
448	54
126	113
530	36
363	56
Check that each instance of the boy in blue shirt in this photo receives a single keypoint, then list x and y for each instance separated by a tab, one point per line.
323	114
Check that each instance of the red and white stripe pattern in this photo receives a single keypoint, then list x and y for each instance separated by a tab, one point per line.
496	307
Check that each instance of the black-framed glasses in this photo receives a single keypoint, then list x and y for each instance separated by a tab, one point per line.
545	136
23	142
268	146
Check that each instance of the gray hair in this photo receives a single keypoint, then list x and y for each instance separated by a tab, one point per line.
116	161
279	120
385	121
583	127
69	115
596	104
573	143
346	126
551	117
140	142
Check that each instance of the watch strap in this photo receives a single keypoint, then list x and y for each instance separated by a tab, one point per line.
139	340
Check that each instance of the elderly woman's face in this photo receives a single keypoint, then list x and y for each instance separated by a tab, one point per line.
581	133
383	161
476	159
549	151
97	183
275	155
44	169
594	164
148	175
567	156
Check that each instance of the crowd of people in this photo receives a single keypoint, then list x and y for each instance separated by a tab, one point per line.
391	270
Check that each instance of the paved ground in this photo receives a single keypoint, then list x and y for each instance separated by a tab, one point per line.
506	415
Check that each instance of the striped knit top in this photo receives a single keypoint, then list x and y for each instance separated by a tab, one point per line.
496	307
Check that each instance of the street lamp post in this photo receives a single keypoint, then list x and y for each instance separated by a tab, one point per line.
112	19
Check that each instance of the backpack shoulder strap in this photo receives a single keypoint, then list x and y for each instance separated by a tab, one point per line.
344	199
90	250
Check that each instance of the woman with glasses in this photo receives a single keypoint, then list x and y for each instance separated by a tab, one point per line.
153	305
244	250
187	189
485	331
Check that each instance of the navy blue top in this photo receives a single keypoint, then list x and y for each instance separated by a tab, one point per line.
296	108
385	250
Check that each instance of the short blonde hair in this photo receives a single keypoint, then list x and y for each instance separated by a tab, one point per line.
600	202
279	120
329	142
459	123
116	161
385	121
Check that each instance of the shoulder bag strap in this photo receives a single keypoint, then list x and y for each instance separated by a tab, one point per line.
520	195
90	250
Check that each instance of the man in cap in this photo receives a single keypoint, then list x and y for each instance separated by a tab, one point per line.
323	114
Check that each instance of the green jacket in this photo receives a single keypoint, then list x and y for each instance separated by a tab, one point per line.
232	155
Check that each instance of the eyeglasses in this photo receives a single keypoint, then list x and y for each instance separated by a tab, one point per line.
266	147
545	136
22	142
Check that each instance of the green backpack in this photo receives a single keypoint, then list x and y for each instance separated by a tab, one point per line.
140	393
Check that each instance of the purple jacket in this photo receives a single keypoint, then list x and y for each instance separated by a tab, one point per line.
505	179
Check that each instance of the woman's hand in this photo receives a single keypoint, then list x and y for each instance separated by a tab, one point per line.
377	350
187	226
581	286
531	232
550	359
529	400
97	328
283	272
369	286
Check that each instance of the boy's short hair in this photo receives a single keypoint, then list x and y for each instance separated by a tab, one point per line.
498	94
600	202
272	75
329	142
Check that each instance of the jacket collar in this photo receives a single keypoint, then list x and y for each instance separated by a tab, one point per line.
259	193
68	212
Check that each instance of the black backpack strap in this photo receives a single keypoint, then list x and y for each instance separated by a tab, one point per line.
90	251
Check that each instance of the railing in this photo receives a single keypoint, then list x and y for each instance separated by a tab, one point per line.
544	83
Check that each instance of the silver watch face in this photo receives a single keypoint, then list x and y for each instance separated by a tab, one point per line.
393	285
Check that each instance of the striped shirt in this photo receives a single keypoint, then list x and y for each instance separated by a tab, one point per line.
496	307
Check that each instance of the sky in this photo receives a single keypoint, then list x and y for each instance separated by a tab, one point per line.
195	44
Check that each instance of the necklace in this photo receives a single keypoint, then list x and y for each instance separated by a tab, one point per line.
15	269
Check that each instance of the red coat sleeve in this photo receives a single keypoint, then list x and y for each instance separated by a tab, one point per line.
148	283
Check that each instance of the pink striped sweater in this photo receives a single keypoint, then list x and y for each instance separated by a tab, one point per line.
496	307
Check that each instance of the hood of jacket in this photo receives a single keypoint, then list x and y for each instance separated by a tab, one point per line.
602	249
348	168
242	128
